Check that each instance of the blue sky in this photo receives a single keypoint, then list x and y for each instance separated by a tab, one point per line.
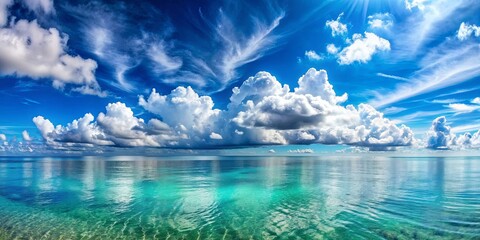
195	74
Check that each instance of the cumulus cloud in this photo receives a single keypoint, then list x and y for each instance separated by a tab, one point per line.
332	49
4	4
466	30
476	100
439	135
363	48
117	127
337	27
3	137
183	109
26	136
261	111
28	50
216	136
380	21
312	55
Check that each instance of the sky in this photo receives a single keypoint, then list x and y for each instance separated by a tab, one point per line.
86	77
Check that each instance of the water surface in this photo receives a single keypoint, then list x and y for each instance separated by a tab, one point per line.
344	197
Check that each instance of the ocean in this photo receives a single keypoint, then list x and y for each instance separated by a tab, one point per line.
240	197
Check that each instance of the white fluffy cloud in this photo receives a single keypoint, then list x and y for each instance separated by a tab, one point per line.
183	109
3	137
466	30
461	108
27	49
363	48
26	136
380	21
312	55
261	111
117	127
4	4
439	135
336	26
332	49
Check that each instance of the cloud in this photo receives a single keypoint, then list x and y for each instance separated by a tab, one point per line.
312	55
442	67
467	30
223	42
301	151
216	136
425	26
461	108
411	4
164	62
184	110
363	48
393	77
28	50
336	26
4	4
393	110
439	135
117	127
332	49
44	6
3	137
26	136
380	21
261	112
236	48
476	100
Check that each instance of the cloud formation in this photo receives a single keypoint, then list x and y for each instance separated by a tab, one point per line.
312	55
440	68
380	21
441	137
363	48
466	30
337	27
28	50
26	136
261	112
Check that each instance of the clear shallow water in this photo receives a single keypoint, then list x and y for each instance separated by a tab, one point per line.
240	197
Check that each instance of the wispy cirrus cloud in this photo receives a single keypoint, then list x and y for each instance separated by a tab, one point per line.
421	27
233	48
443	67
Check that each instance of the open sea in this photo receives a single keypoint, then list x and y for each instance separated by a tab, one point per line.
224	197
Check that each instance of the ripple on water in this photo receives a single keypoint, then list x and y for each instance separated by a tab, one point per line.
239	199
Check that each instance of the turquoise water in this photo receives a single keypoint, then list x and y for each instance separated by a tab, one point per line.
240	198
